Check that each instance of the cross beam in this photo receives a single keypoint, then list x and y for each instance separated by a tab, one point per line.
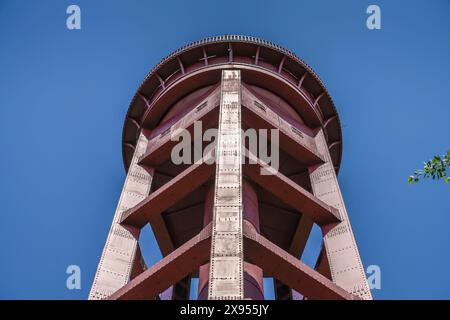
290	192
171	269
293	139
159	147
173	191
289	269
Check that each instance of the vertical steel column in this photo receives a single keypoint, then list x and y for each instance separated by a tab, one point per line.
253	275
226	265
343	256
119	254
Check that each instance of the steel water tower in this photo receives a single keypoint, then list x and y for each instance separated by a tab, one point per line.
224	221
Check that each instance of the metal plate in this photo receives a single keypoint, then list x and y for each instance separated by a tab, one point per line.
226	268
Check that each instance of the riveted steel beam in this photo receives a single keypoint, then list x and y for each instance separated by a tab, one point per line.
160	147
226	270
293	139
290	192
342	255
289	269
120	254
168	271
173	191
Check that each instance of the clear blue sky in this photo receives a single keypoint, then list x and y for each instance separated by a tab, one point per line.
64	95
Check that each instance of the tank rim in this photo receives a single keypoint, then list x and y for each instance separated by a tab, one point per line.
235	39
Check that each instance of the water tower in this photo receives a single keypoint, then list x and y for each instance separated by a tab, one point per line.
225	222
